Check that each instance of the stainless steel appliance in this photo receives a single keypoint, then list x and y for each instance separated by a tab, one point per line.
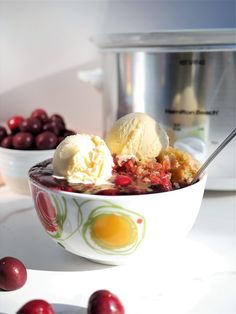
186	80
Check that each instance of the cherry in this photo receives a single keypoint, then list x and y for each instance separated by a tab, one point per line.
104	302
14	123
22	140
40	114
60	139
46	140
13	273
3	133
58	119
37	306
122	180
52	127
32	125
7	142
68	132
48	132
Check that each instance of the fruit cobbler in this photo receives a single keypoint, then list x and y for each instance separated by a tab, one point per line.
173	169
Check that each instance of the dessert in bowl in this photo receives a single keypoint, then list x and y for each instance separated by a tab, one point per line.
116	208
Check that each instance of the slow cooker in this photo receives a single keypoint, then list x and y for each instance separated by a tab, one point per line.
186	80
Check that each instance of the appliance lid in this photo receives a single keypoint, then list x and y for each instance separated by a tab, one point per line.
197	39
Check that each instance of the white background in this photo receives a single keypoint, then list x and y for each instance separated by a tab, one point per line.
43	44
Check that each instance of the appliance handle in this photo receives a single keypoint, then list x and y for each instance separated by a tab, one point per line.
94	77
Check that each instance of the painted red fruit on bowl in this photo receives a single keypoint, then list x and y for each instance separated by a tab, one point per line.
46	211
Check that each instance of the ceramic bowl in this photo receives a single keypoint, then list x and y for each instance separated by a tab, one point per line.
116	229
15	164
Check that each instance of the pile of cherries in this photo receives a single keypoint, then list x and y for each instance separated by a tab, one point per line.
37	132
13	276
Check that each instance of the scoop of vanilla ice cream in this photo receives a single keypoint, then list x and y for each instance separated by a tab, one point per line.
137	134
83	158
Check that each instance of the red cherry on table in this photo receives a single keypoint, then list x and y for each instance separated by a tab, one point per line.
7	142
46	140
104	302
37	306
14	123
23	140
40	114
13	273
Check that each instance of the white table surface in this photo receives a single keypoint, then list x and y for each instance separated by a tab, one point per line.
197	276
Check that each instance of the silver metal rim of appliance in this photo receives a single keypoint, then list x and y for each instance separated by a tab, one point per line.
185	40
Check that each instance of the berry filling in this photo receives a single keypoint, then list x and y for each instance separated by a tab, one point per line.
129	178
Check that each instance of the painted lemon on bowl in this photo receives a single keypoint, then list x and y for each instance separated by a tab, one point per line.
111	229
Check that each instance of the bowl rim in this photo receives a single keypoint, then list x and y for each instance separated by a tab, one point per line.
201	181
23	151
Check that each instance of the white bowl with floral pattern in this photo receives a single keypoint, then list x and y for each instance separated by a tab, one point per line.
117	229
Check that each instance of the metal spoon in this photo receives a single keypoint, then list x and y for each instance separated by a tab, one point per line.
213	155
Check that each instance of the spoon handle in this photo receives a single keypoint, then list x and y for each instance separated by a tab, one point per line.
213	155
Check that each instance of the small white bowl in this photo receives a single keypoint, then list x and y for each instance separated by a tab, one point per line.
15	164
117	229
